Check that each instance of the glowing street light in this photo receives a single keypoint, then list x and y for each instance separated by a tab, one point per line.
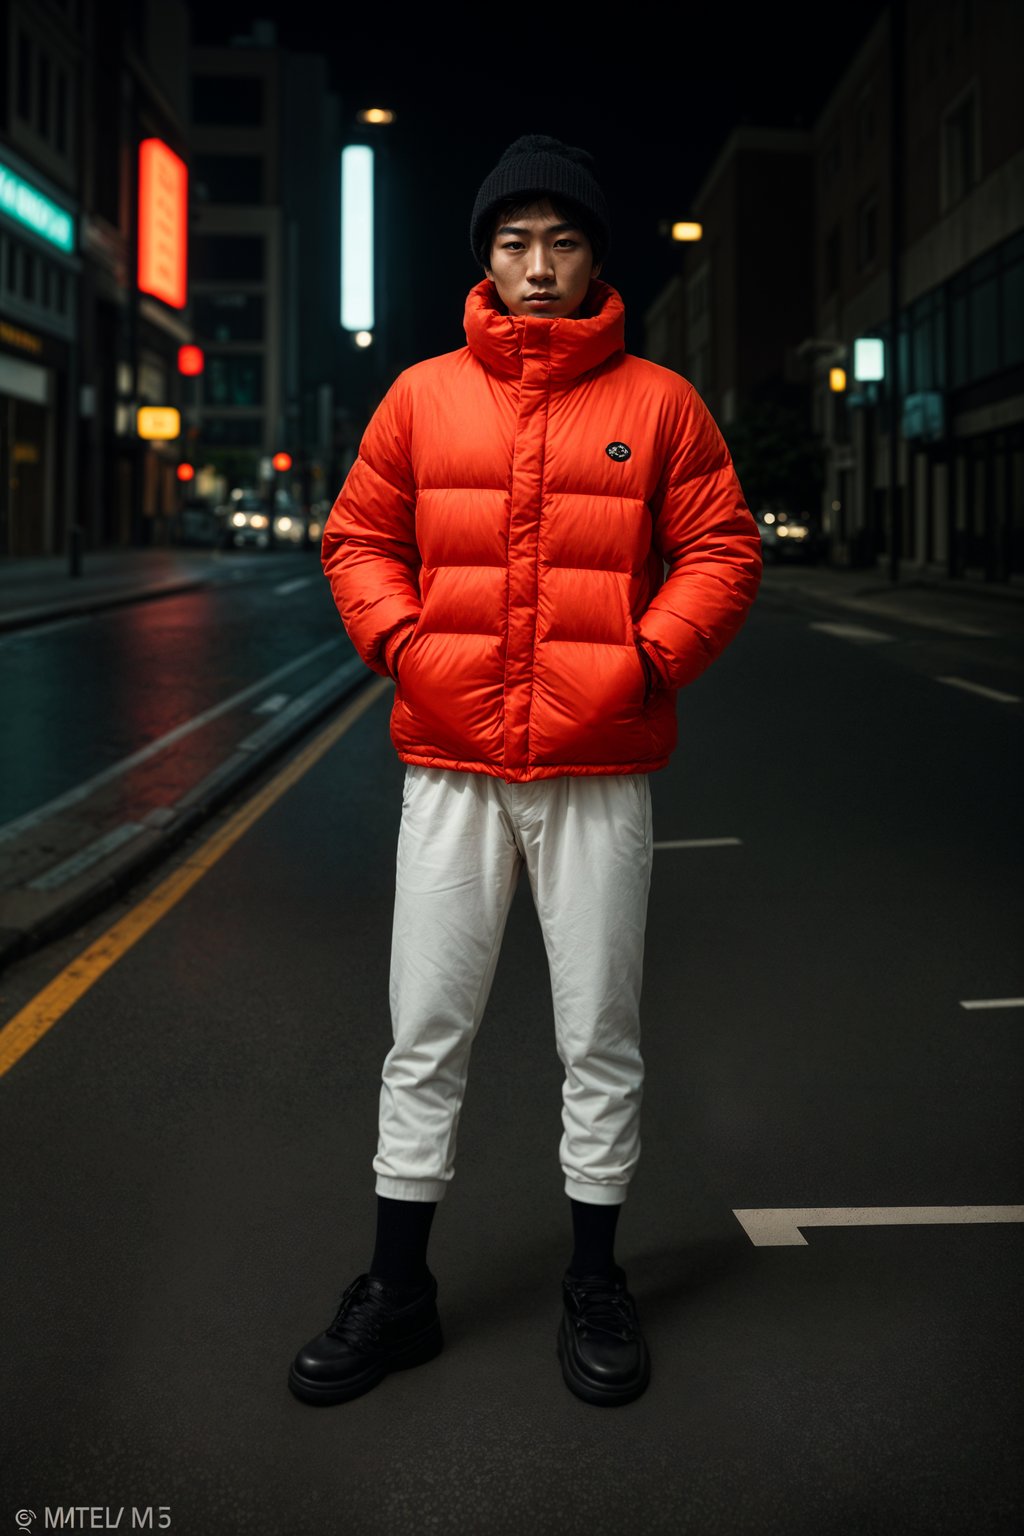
687	229
357	238
376	115
837	380
363	338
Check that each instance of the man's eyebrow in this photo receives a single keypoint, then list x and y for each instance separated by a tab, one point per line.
549	229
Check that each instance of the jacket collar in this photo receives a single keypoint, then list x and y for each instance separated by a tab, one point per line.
561	349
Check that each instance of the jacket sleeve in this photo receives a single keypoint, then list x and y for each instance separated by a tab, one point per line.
368	550
710	539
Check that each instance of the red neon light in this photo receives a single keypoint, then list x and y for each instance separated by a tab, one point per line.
190	361
186	472
163	223
282	461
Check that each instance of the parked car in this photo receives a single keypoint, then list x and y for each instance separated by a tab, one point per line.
788	535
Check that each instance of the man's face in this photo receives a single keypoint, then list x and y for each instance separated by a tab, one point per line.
537	253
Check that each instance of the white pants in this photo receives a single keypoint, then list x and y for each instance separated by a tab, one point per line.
587	843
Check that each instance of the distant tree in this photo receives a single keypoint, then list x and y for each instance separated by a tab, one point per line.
780	460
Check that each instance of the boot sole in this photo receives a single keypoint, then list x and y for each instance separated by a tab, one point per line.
417	1352
601	1394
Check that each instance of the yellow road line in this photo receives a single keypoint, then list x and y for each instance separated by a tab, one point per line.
32	1022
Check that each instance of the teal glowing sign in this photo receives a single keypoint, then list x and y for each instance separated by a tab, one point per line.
21	201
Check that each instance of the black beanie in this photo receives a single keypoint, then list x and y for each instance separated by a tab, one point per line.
538	164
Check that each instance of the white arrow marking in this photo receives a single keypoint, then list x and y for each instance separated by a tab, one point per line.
857	632
779	1227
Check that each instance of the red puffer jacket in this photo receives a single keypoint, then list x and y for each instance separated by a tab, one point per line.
503	533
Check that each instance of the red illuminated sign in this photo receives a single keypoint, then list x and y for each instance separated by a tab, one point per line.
190	361
163	223
282	461
186	472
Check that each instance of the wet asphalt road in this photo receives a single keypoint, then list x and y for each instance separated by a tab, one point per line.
187	1154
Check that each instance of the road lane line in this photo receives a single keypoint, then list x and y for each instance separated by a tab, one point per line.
993	1002
275	702
293	586
986	693
82	791
32	1022
779	1226
700	842
853	632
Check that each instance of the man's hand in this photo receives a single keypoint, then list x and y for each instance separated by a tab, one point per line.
648	666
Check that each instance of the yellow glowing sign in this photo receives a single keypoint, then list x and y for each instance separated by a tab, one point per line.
687	230
837	380
161	422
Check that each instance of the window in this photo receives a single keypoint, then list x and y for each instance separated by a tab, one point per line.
922	344
24	77
233	380
832	262
234	431
961	159
62	112
231	257
867	231
1012	287
958	296
831	160
983	312
43	98
228	178
230	101
864	131
228	316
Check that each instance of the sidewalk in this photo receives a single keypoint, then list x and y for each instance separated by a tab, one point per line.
68	858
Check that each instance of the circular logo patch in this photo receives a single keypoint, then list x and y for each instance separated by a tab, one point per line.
618	450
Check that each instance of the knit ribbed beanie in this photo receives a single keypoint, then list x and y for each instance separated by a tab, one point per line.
538	165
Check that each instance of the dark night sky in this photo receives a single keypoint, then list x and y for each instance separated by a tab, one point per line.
654	113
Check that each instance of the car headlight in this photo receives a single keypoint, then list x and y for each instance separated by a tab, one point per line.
259	520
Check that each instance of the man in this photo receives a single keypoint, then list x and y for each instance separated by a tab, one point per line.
499	549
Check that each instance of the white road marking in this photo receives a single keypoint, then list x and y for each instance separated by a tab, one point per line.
853	632
82	791
700	842
272	705
293	586
993	1002
779	1227
986	693
91	854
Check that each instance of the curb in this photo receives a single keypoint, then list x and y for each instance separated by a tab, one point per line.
247	763
27	618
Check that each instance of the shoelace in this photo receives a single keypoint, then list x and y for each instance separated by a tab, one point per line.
604	1308
356	1323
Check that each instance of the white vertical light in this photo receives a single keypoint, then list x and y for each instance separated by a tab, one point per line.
357	237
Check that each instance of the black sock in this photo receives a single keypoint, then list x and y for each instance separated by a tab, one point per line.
403	1229
593	1228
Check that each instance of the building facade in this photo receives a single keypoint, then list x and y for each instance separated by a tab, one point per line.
915	230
